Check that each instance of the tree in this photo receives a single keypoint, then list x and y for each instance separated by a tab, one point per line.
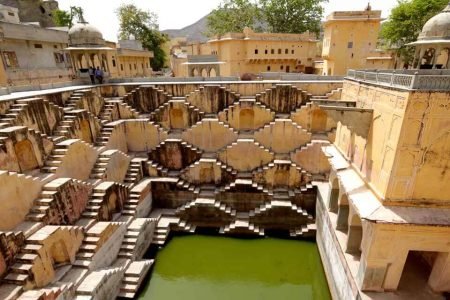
143	26
233	16
293	16
406	22
65	18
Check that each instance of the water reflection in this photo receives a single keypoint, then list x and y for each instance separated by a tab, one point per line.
217	268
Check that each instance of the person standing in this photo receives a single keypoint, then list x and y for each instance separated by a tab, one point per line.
99	75
92	74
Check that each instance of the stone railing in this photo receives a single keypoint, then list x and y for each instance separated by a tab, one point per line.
435	80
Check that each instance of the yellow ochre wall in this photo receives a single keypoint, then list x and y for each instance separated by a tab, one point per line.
406	156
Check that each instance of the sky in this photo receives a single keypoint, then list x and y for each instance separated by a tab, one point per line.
175	14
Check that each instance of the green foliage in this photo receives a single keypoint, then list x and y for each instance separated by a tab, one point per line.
62	18
406	22
143	26
293	16
280	16
233	16
65	18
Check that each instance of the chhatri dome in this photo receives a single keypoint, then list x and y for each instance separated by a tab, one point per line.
84	34
437	28
432	45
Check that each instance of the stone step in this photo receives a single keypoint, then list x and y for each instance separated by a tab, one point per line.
21	268
26	257
82	263
13	278
31	248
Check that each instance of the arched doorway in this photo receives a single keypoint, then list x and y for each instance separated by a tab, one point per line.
212	72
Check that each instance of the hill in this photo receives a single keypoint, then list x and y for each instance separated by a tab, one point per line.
194	32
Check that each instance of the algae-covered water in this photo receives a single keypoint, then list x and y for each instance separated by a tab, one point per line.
219	268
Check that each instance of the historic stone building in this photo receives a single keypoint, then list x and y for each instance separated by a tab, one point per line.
127	59
30	54
350	42
250	52
33	56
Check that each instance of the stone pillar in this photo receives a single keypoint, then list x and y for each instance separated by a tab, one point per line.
447	64
421	54
354	239
333	202
437	52
342	217
439	279
416	54
395	269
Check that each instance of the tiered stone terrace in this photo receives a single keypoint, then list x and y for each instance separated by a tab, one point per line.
91	178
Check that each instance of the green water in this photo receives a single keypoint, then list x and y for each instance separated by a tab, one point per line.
218	268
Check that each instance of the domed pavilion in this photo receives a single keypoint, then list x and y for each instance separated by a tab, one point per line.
88	48
433	43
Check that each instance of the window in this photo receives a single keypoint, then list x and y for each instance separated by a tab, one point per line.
42	9
286	51
350	45
121	67
266	51
59	57
279	51
142	66
38	46
114	62
281	67
268	68
55	46
135	67
11	14
293	51
10	59
272	51
256	51
130	67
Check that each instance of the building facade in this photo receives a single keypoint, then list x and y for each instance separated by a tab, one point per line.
350	42
31	54
251	52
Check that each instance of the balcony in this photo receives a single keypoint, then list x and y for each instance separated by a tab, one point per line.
431	80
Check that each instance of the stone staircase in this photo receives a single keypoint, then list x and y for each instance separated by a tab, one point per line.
305	231
163	228
33	254
133	278
53	291
242	226
72	121
75	100
47	203
105	134
102	284
107	113
98	203
135	171
333	95
55	159
92	243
